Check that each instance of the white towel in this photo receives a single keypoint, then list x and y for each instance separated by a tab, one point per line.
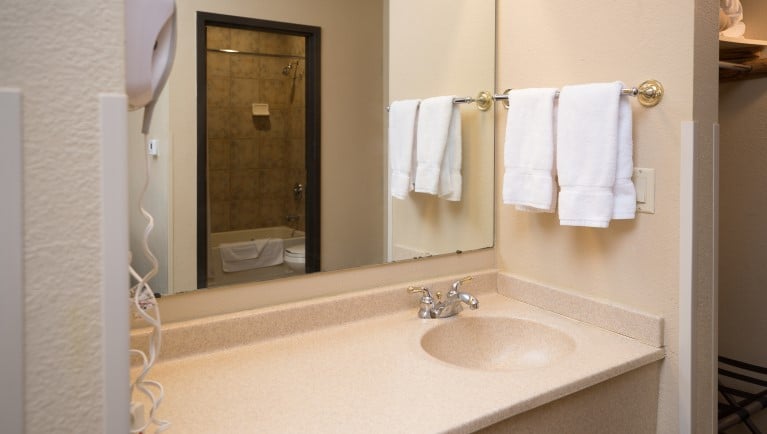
734	11
402	118
736	30
528	151
248	255
434	118
450	179
624	193
587	153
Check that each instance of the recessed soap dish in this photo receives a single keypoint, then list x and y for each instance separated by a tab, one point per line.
260	109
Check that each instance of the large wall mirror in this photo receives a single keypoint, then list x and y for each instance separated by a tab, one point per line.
258	149
274	145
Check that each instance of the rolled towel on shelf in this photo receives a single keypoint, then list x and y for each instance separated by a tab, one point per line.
434	118
736	30
733	9
734	27
402	123
589	129
724	20
528	181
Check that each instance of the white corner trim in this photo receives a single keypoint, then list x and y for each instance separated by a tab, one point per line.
115	278
686	251
11	263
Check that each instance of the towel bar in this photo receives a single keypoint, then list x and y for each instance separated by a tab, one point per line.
649	94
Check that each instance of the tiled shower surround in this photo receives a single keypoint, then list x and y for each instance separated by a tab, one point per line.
255	161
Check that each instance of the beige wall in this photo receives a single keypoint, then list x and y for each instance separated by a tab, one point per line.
634	262
755	18
459	62
62	55
352	74
743	212
743	215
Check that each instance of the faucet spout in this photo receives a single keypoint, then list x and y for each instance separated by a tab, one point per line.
469	299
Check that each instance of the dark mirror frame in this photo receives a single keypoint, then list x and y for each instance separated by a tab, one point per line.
312	77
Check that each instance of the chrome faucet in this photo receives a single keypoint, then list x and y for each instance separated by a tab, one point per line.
427	301
447	308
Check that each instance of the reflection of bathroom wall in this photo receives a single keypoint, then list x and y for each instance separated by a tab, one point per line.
157	194
254	161
425	223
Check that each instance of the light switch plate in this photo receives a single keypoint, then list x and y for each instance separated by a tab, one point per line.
644	182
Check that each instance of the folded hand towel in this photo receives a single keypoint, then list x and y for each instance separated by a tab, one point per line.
247	255
434	116
587	153
450	180
402	119
624	193
528	151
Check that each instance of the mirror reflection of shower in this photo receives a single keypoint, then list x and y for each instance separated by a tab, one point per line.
255	160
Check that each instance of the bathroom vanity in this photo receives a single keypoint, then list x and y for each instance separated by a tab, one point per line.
366	363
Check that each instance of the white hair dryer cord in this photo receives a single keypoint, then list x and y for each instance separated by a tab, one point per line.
145	304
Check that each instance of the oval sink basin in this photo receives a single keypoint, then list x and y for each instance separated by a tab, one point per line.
497	343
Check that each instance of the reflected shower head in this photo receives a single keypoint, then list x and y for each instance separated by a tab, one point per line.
291	65
286	70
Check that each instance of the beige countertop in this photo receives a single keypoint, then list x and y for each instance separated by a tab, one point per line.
372	376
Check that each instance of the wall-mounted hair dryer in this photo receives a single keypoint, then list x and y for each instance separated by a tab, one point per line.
150	44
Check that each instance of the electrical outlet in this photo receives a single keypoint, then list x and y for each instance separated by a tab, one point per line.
152	147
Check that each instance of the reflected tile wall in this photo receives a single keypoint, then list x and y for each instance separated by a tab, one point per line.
254	162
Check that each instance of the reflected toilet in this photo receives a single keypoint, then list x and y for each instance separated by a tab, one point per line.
295	258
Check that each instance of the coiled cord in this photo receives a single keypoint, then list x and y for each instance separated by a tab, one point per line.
145	304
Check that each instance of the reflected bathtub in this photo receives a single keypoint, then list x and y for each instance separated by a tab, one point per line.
216	274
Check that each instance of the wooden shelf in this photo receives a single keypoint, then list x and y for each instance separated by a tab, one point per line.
730	42
744	58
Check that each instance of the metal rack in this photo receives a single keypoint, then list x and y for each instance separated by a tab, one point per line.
743	388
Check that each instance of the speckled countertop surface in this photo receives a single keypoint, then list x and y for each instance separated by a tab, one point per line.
372	376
